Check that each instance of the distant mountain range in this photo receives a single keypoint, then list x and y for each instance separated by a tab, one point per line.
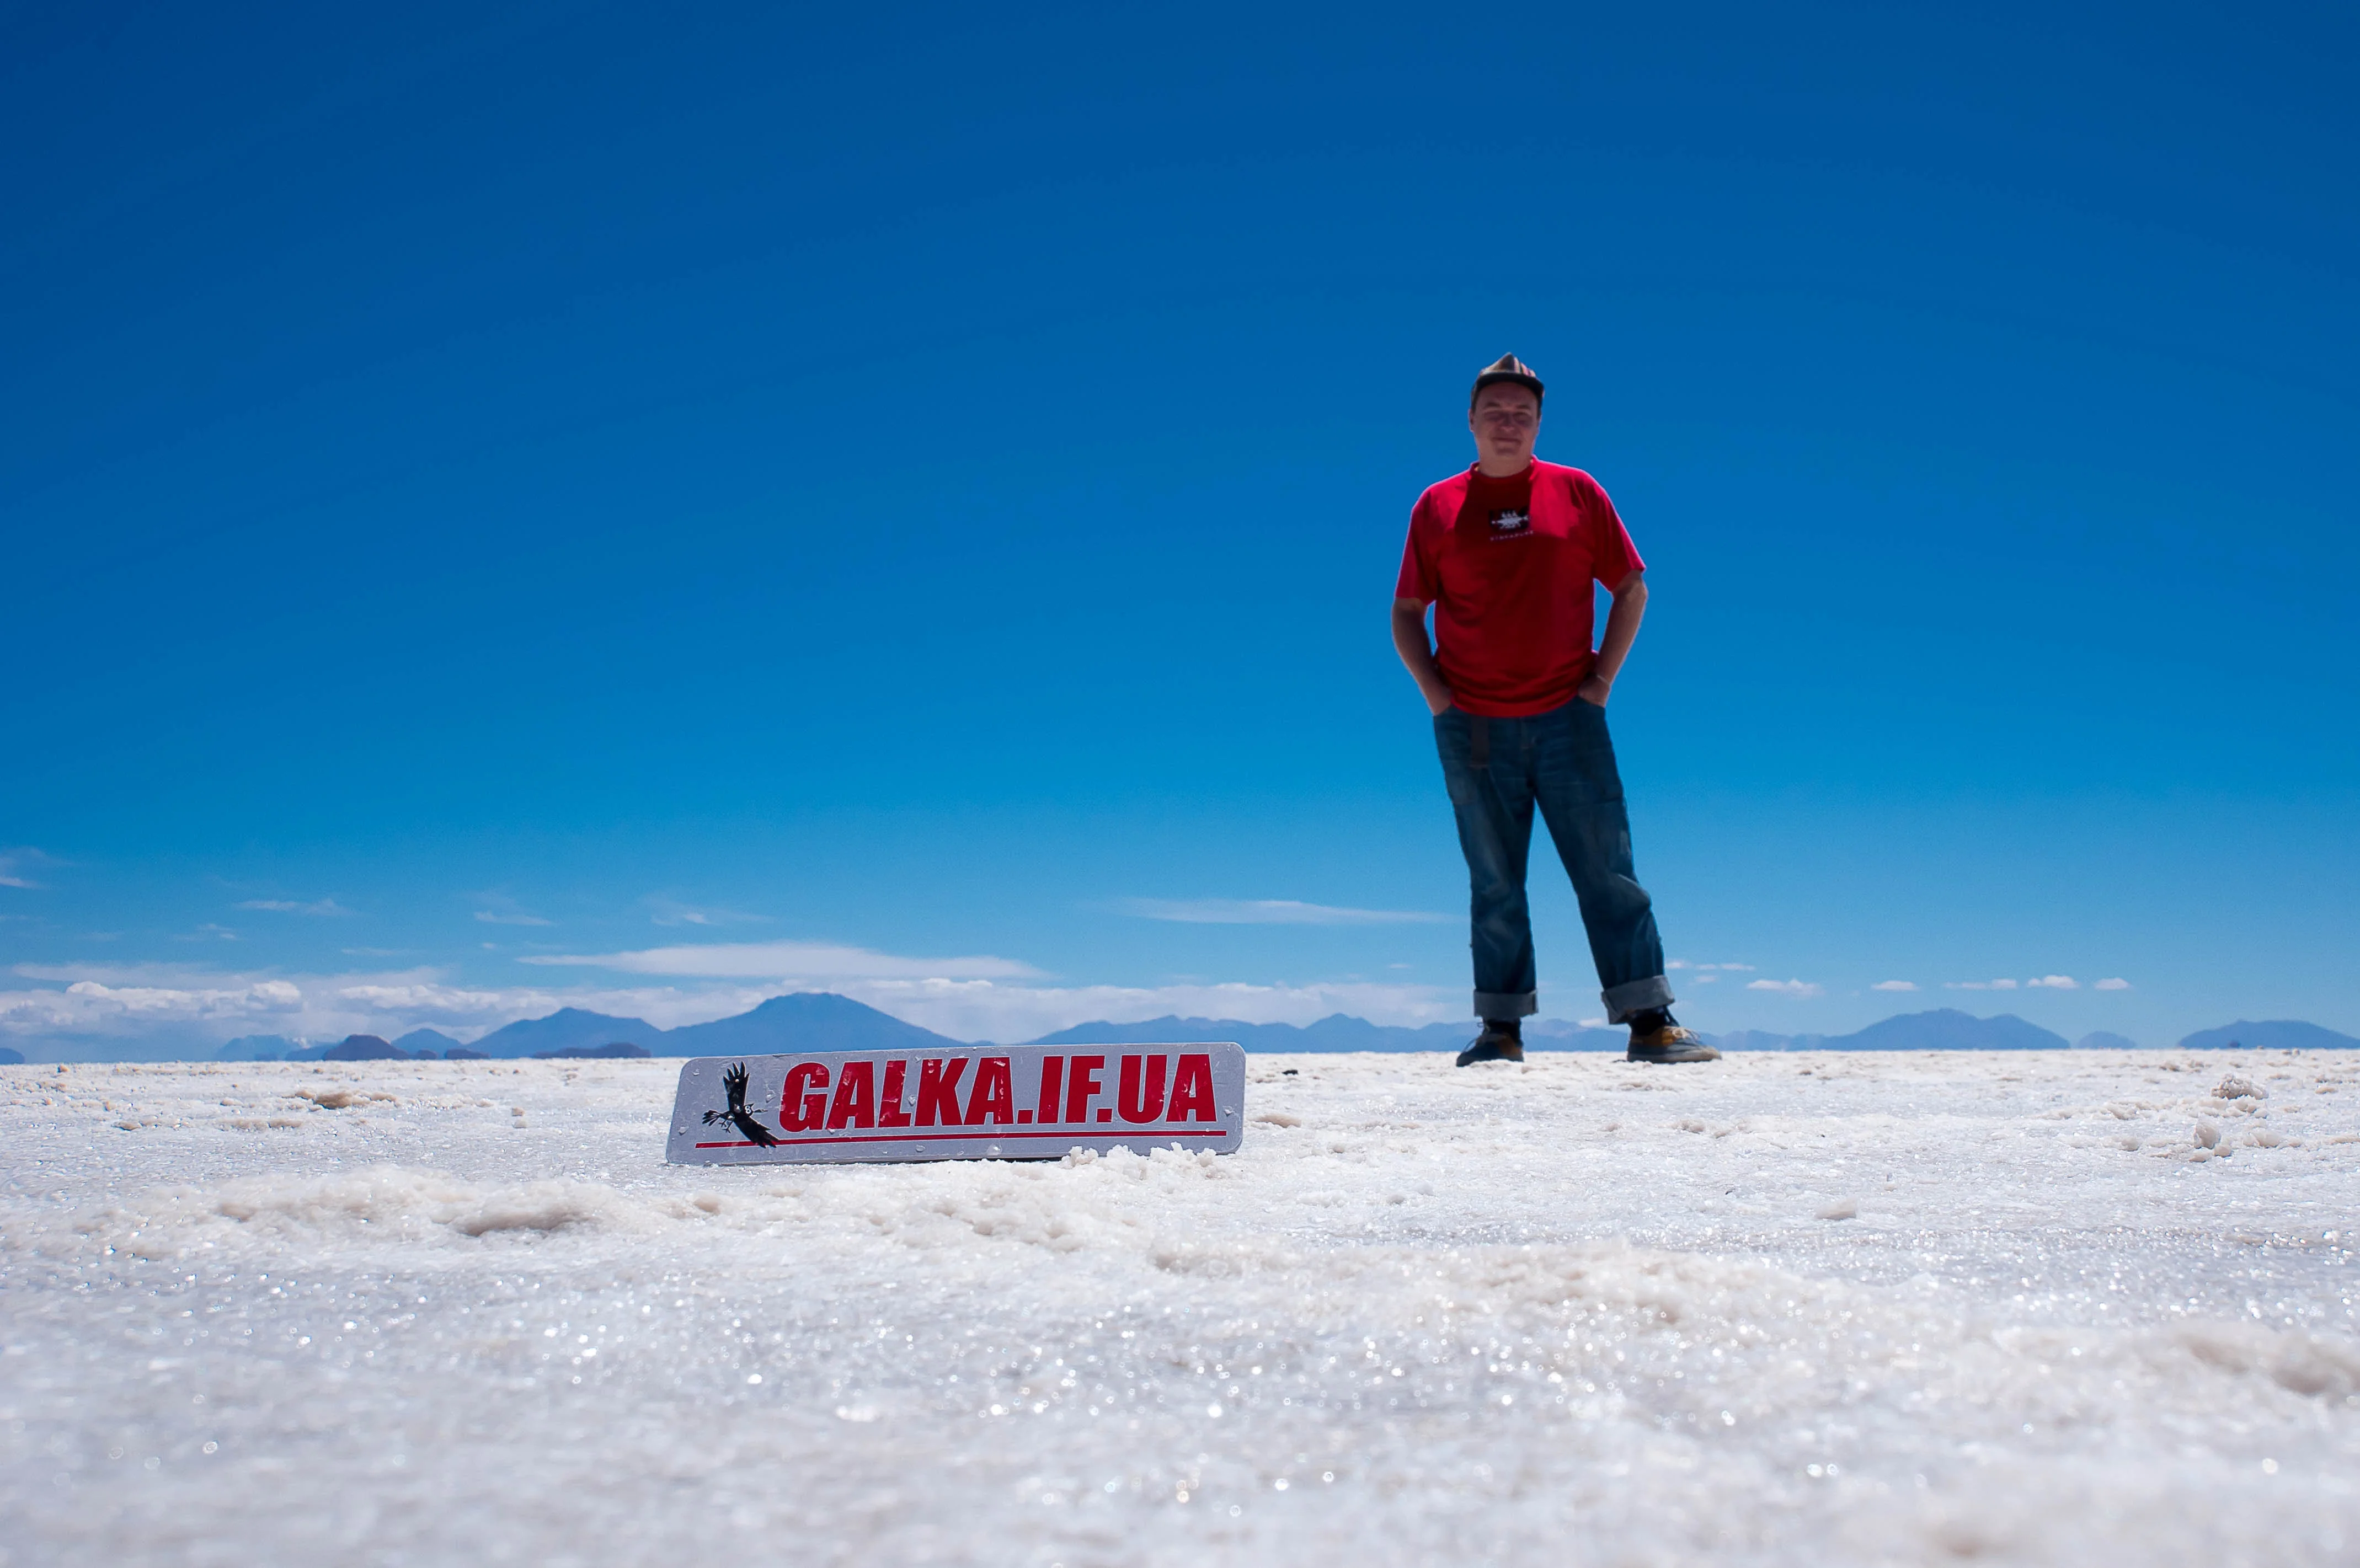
2285	1034
1944	1028
1338	1031
259	1048
824	1021
278	1048
809	1020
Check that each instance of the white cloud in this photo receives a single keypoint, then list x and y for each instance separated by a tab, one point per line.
666	911
15	863
1269	913
1701	968
1894	986
791	960
424	996
91	1006
2117	985
290	907
172	1007
2055	983
208	932
495	908
123	973
1978	985
1799	989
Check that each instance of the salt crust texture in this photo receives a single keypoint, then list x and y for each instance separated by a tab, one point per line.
2069	1308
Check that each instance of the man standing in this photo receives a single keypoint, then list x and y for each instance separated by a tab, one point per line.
1506	553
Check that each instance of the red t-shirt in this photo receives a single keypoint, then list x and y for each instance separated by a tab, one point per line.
1508	564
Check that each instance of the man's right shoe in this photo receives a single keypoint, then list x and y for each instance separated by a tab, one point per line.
1494	1045
1670	1043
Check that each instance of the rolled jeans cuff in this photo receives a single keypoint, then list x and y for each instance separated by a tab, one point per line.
1508	1004
1636	996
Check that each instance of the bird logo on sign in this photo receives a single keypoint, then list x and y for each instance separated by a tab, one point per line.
734	1081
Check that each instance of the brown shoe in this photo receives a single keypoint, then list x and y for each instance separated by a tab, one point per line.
1494	1045
1671	1043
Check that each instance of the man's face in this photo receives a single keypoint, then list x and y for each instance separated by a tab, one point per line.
1506	421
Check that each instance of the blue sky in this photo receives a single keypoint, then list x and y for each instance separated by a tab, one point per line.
907	501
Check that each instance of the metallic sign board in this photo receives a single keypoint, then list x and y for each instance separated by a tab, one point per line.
1018	1102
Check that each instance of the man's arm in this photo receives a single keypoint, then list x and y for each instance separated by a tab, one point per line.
1418	653
1622	630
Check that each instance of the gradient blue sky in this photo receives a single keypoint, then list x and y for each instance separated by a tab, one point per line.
906	501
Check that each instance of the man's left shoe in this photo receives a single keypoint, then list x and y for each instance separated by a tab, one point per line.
1670	1043
1494	1045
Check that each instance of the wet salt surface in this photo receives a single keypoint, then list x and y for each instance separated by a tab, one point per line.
2083	1307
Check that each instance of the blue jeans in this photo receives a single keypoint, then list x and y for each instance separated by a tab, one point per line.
1497	770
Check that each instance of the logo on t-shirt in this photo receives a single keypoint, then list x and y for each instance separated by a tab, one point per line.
1511	522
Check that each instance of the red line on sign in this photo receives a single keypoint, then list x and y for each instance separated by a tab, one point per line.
963	1138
